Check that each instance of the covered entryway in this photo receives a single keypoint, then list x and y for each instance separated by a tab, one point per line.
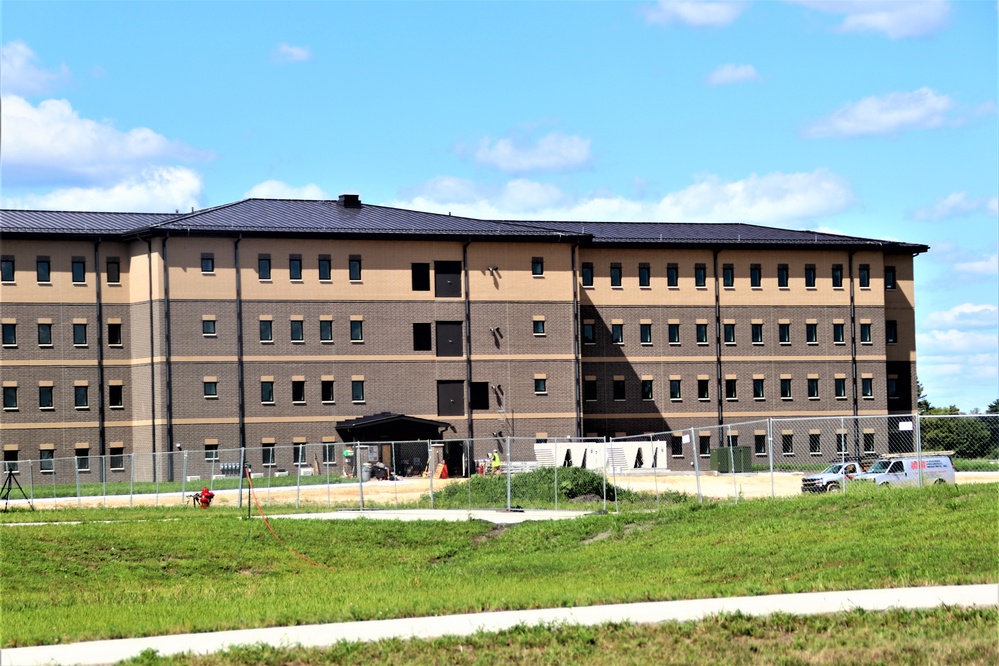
410	455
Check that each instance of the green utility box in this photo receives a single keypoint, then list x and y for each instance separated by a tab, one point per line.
732	459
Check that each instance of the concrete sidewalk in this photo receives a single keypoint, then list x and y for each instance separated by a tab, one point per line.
319	635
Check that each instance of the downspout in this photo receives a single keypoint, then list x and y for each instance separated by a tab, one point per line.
168	359
718	346
152	355
101	425
240	397
577	361
468	360
853	358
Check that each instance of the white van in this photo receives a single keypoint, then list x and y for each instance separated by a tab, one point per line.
904	470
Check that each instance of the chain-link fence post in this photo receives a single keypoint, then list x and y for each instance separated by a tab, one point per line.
555	460
358	467
509	473
430	470
76	469
242	473
770	454
131	478
104	479
697	468
183	478
31	483
919	447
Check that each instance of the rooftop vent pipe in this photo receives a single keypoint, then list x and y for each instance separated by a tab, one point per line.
350	200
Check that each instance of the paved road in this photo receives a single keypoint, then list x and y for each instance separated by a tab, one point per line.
319	635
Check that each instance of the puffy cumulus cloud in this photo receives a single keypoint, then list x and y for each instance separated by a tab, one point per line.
51	144
773	198
987	266
733	74
897	19
956	204
966	315
693	13
552	152
887	114
154	190
20	73
275	189
289	53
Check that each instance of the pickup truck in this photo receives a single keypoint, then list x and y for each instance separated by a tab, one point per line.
832	478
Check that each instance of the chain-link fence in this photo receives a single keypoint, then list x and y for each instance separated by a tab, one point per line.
769	457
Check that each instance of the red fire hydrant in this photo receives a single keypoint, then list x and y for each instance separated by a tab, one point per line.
205	498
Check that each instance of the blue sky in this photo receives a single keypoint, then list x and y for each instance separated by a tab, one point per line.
872	118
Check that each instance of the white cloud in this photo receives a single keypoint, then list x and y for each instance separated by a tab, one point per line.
888	114
987	266
953	342
275	189
694	13
19	73
289	53
733	74
552	152
154	190
992	206
895	18
51	143
956	204
773	198
966	315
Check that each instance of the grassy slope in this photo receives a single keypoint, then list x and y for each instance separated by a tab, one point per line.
214	571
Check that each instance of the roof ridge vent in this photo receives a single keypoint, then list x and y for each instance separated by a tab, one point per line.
350	200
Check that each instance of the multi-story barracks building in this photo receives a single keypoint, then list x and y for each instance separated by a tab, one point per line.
281	321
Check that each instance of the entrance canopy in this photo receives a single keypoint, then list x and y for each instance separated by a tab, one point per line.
389	427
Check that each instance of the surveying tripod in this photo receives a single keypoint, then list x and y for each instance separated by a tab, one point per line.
8	486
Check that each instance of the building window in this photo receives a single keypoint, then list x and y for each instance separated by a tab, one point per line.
618	391
210	388
841	442
326	330
45	335
114	335
674	390
787	444
537	266
784	333
207	262
868	442
10	397
83	460
354	268
729	330
7	269
702	334
298	456
326	268
540	385
420	276
267	392
266	330
43	270
837	276
589	390
813	388
812	333
327	391
79	270
617	334
672	275
297	330
838	335
755	275
46	397
116	458
208	328
211	452
702	389
264	267
646	386
758	389
730	390
80	335
46	460
760	445
587	274
891	331
356	330
267	455
422	337
357	390
892	385
298	391
673	331
864	276
114	270
81	397
865	334
889	277
644	275
728	275
615	275
9	334
867	387
116	396
329	453
757	332
840	387
810	276
295	267
814	443
676	446
589	333
783	277
539	327
704	445
785	388
645	333
700	275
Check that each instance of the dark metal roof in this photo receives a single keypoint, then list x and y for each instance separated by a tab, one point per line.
76	222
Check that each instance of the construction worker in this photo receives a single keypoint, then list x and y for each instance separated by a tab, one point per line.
495	462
